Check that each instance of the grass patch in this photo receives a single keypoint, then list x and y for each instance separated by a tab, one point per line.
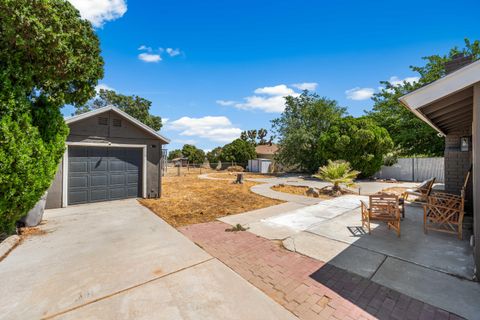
188	200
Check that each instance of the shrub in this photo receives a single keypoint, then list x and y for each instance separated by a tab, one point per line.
238	151
337	172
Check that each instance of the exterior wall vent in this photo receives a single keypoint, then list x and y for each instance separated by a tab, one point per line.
117	122
102	121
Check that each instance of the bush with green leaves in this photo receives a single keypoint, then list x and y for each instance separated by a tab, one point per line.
238	151
49	57
337	172
193	154
357	140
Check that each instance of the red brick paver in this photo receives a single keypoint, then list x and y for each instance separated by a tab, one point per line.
309	288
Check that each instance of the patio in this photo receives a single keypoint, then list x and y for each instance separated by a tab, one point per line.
431	267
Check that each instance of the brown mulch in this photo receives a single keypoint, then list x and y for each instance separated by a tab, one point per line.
189	200
300	190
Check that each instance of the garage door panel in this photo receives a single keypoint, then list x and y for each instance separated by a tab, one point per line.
118	193
79	196
132	178
76	166
78	182
98	180
117	165
117	179
98	165
101	174
98	195
132	191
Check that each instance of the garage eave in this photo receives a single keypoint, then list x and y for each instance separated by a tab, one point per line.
123	114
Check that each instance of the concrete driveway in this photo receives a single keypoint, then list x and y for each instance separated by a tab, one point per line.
117	260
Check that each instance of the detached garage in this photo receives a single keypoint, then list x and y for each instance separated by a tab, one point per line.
110	155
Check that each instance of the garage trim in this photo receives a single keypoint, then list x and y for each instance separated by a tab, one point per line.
104	145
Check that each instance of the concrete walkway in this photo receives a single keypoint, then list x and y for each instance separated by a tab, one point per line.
311	289
117	260
425	267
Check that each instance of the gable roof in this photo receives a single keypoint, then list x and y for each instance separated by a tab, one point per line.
138	123
266	149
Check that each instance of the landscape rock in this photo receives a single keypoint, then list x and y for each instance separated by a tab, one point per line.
313	192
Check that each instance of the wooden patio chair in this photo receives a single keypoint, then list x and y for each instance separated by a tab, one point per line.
382	207
444	212
422	191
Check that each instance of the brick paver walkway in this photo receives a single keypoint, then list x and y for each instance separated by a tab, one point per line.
307	287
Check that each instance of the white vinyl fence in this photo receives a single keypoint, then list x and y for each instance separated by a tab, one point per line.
414	169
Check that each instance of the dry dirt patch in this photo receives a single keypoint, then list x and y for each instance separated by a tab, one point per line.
246	175
298	190
189	200
395	190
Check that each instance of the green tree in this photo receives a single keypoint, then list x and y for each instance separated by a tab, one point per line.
411	135
239	151
357	140
194	155
49	57
299	128
177	153
214	155
262	134
136	106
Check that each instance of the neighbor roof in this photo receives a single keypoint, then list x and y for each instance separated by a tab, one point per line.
455	86
266	149
138	123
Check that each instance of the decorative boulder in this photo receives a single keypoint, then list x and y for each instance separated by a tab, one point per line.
313	192
35	215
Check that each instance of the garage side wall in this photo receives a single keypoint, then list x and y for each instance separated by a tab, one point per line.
91	131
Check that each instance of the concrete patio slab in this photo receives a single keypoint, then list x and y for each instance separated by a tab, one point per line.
455	295
340	254
434	250
259	214
209	290
307	217
95	251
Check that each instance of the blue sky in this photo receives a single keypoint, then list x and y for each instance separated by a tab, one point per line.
214	68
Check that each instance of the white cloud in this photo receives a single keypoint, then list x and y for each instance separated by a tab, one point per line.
173	52
103	86
396	81
280	90
225	103
100	11
149	57
213	128
360	93
144	48
310	86
267	99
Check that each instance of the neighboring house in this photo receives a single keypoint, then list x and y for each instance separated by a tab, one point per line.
266	151
451	105
110	155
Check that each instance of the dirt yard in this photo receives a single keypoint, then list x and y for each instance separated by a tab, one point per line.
189	200
395	190
298	190
246	175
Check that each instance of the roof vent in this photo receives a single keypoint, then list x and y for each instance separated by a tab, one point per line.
102	121
117	122
458	61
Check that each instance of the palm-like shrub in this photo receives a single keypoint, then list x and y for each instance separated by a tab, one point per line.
337	172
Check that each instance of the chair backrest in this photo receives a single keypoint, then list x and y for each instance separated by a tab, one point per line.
465	183
384	202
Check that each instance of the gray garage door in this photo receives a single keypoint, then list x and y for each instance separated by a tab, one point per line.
102	174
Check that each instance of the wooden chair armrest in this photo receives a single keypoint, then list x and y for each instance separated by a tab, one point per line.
430	205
